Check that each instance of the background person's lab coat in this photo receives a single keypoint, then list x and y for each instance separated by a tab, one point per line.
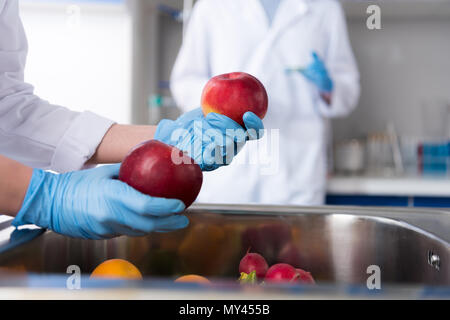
235	35
32	131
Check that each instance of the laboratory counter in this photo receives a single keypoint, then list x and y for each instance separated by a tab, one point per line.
389	191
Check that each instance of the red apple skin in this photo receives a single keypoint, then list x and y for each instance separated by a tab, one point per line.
149	168
233	94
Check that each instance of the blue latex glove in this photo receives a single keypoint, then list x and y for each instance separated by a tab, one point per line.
316	72
93	204
212	141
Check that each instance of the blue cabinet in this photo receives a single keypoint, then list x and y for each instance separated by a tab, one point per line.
362	200
433	202
390	201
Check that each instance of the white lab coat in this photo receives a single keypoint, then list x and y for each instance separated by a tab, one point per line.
234	35
33	131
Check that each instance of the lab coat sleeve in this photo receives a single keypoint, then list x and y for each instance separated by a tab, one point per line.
191	70
33	131
341	66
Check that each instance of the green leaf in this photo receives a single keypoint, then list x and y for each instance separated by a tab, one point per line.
248	278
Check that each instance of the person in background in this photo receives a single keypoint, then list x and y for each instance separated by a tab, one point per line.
300	51
36	136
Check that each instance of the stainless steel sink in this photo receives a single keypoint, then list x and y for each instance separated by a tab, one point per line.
336	244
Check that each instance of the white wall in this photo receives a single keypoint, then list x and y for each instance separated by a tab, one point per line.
82	61
402	66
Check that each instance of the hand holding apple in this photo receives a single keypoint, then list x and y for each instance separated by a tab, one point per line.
160	170
230	103
232	108
211	140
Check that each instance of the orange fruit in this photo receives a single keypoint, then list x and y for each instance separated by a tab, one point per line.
116	269
193	278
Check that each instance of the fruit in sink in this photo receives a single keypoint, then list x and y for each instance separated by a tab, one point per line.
253	268
285	273
193	278
281	272
233	94
253	262
160	170
305	277
13	270
116	269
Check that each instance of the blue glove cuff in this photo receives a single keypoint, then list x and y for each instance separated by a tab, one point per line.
32	210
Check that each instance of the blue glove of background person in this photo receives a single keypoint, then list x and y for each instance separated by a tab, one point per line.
316	72
212	141
93	204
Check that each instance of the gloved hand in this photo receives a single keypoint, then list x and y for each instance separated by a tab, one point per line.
93	204
316	72
212	141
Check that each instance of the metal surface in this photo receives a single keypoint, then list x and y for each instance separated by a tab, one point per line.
337	245
10	237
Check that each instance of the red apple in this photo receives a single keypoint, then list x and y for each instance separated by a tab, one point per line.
160	170
233	94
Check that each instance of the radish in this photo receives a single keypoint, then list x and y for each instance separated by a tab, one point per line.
281	272
305	277
254	262
248	278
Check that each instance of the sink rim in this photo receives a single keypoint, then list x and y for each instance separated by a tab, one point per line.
419	218
409	218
